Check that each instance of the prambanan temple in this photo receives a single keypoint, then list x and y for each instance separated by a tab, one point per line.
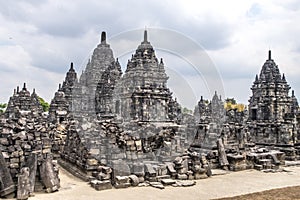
124	129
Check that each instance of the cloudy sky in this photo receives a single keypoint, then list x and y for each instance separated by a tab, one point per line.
39	39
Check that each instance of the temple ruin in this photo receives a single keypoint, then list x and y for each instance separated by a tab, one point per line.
25	153
122	129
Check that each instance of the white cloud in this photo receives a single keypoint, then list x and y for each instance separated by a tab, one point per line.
38	39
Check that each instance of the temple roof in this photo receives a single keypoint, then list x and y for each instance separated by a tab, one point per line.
145	44
70	79
144	56
270	71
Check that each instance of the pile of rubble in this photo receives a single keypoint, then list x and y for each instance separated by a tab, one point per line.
25	149
108	156
58	134
181	172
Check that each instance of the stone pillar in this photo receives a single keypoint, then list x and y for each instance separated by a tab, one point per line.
23	184
32	164
48	176
7	185
222	155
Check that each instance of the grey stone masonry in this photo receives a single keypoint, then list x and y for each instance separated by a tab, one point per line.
105	107
101	59
25	144
270	98
272	110
22	100
142	93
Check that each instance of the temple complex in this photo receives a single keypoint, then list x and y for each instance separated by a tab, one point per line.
133	127
122	129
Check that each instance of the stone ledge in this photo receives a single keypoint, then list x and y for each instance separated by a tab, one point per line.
73	170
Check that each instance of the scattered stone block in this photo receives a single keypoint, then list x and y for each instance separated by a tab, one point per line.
48	176
149	170
167	181
101	185
122	182
182	176
157	185
7	187
134	180
184	183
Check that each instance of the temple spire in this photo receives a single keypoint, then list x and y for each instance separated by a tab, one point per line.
269	55
72	68
256	78
283	77
145	36
161	61
103	37
24	86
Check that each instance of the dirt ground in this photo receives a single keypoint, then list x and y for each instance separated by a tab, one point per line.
221	186
287	193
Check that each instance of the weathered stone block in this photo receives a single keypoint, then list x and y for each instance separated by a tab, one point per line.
200	176
149	170
138	169
182	176
14	165
23	184
121	168
134	180
48	176
101	185
167	181
7	187
92	162
157	185
171	170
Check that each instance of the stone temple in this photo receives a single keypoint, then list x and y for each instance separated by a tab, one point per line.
122	129
128	122
272	110
141	94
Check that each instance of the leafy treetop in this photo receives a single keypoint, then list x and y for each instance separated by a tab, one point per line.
2	107
44	104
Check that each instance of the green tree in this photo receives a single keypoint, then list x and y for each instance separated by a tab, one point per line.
230	100
186	111
240	107
44	104
2	107
228	105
